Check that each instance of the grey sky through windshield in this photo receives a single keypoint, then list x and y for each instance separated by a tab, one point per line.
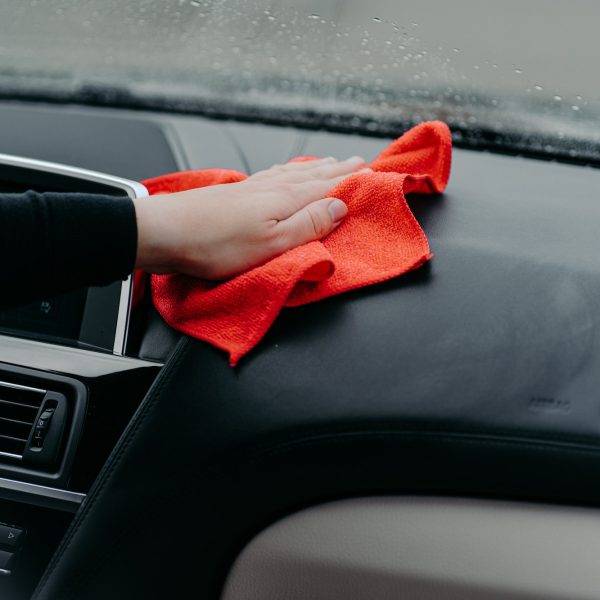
501	66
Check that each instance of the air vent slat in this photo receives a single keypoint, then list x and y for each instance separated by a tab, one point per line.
8	437
15	429
19	406
26	396
10	446
29	406
17	422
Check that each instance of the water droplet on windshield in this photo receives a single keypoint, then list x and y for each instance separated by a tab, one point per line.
314	16
578	97
557	98
538	88
377	20
457	50
575	107
518	71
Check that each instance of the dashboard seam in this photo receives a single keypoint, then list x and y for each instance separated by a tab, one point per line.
243	457
113	461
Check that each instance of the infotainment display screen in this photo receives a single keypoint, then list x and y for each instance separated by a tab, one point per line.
85	318
89	318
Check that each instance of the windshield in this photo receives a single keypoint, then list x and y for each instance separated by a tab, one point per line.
518	74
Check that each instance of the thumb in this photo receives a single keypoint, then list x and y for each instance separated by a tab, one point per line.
312	222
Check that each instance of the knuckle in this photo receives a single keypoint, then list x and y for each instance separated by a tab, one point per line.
275	238
323	172
318	223
287	189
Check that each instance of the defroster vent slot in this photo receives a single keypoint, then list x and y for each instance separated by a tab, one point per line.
19	407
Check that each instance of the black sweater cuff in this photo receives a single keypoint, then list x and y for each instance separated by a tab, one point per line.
55	242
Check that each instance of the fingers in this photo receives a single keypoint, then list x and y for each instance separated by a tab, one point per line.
292	167
327	171
300	171
313	222
304	193
285	199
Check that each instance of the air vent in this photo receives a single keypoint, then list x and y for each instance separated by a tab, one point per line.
19	407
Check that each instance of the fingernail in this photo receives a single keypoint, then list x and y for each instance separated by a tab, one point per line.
367	170
338	210
328	159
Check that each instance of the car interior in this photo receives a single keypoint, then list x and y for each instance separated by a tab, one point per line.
435	436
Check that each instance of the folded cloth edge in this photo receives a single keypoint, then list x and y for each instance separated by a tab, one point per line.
434	179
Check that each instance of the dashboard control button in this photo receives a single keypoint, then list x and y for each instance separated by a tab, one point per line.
41	427
11	536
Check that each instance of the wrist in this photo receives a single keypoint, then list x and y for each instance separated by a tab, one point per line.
152	253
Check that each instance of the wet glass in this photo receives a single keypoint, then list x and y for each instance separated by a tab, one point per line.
513	72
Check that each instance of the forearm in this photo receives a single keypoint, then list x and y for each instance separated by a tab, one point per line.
53	242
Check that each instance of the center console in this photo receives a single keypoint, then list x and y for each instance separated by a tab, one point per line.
70	379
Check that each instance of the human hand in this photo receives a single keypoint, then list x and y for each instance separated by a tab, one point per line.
219	231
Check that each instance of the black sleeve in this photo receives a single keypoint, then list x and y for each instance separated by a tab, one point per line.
53	242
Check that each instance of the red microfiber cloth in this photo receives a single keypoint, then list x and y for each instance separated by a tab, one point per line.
379	239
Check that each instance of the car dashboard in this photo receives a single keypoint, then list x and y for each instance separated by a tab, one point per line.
475	376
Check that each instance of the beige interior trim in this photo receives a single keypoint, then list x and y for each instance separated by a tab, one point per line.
423	549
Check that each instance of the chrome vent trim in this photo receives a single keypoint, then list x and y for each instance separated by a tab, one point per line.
19	407
40	495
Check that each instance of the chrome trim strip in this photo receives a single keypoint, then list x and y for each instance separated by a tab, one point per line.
122	325
16	386
34	493
5	572
132	188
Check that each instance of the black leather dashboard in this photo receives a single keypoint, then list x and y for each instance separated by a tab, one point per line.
476	375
